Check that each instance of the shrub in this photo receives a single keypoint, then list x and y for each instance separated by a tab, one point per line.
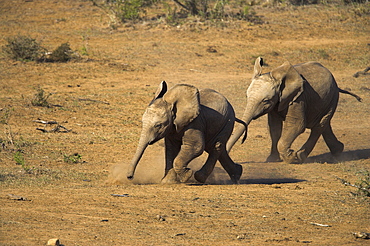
123	10
63	53
40	99
363	185
74	158
23	48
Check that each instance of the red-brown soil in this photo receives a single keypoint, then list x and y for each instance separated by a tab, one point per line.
103	95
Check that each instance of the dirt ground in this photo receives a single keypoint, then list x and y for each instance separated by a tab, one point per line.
101	98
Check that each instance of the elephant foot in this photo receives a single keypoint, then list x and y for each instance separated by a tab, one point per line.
200	177
237	174
170	178
274	158
290	157
337	150
301	156
185	175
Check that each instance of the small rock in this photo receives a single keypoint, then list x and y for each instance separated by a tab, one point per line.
242	236
363	235
18	198
160	218
54	241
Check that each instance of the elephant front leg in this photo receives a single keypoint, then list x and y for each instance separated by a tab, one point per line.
172	149
292	128
170	177
192	147
275	123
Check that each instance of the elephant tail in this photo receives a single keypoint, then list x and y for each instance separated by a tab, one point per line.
350	93
246	127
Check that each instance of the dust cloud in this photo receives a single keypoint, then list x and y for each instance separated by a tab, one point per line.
150	169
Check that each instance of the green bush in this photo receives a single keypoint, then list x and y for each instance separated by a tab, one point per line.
362	185
74	158
123	10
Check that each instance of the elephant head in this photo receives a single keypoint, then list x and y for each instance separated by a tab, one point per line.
269	91
168	112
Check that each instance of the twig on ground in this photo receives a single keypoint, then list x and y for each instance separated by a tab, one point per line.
356	186
364	72
318	224
92	100
46	122
57	128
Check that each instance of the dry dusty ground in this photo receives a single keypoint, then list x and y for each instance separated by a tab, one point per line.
275	204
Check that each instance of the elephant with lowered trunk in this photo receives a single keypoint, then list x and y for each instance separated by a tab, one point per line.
295	98
190	121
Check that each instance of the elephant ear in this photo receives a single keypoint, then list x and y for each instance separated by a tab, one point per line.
162	89
185	104
258	67
290	83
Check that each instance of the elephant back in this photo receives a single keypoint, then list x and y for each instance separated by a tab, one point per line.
217	115
319	78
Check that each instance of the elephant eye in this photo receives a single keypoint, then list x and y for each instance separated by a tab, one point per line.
158	125
266	101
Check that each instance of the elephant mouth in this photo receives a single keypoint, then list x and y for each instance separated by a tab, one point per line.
256	117
153	141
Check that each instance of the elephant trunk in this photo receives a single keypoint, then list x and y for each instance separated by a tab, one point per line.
240	129
143	143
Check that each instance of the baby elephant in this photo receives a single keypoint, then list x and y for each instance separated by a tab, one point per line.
295	98
190	121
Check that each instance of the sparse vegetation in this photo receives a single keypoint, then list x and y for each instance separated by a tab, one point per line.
72	159
215	10
63	53
5	115
362	185
23	48
40	99
19	160
275	203
120	11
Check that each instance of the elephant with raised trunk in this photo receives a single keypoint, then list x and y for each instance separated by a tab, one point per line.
295	98
190	121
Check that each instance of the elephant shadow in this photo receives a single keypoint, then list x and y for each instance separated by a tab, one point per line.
350	155
270	181
254	175
267	181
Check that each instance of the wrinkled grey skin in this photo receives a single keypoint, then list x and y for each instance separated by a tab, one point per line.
295	98
190	121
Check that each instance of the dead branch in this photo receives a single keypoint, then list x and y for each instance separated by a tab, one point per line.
46	122
181	5
356	186
57	128
8	133
92	100
364	72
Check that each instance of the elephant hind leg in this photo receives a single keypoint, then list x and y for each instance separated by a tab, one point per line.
202	174
309	144
336	147
234	170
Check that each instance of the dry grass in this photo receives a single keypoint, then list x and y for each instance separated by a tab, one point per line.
119	72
